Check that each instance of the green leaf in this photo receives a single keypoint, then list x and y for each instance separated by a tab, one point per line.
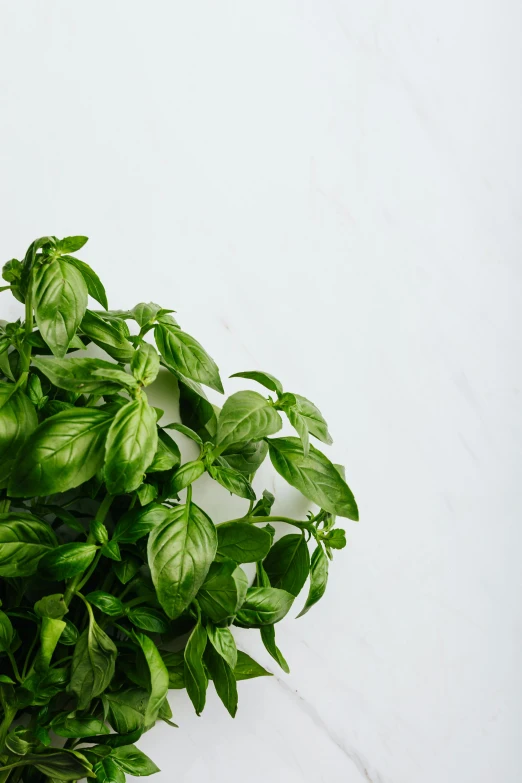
147	493
127	568
180	552
298	422
106	603
314	476
159	677
246	458
50	631
167	454
84	375
184	354
70	634
138	522
246	668
6	632
243	542
34	391
268	637
18	420
67	560
60	300
145	364
70	244
232	480
59	764
195	676
184	431
223	679
65	451
145	313
318	579
107	771
133	761
175	663
126	709
93	664
94	285
264	378
314	420
336	539
221	593
187	474
195	410
131	445
246	416
107	336
147	619
288	563
24	540
111	550
264	606
82	726
223	643
52	606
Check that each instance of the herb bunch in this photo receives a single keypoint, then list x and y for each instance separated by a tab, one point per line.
114	585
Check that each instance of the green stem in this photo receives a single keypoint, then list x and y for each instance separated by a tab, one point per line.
14	665
74	583
188	501
28	328
5	725
28	657
90	572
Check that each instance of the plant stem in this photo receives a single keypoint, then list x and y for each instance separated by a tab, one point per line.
28	328
74	583
14	665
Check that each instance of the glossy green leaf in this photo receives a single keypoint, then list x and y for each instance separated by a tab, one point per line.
298	422
18	420
131	444
60	300
145	313
147	619
223	643
186	475
158	677
107	336
106	603
314	420
67	560
175	663
84	375
180	552
184	431
167	454
6	632
24	540
288	563
94	285
65	451
58	764
318	579
126	709
107	771
264	606
145	364
70	244
93	664
246	416
196	680
233	481
134	761
246	668
223	679
138	522
314	476
127	568
246	458
264	378
243	542
221	593
183	353
82	726
268	637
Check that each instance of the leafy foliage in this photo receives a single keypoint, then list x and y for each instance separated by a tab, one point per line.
113	588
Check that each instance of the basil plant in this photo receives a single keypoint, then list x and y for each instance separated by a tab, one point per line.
115	585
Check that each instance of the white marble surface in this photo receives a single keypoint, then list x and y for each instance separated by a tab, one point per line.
329	191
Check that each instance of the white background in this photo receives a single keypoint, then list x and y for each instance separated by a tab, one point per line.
329	191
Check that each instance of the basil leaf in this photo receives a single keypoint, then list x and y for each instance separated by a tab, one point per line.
67	560
111	550
183	353
180	552
167	455
65	451
221	594
184	431
318	579
247	457
314	476
195	676
106	603
314	420
94	285
24	540
235	482
264	378
126	709
107	771
17	420
131	445
137	523
263	506
147	619
60	300
145	364
86	376
268	637
70	244
243	542
159	677
133	761
264	606
246	668
6	632
298	422
246	416
52	606
59	764
126	569
336	539
107	336
70	634
195	410
145	313
175	663
223	679
93	663
147	493
187	474
288	563
223	643
82	726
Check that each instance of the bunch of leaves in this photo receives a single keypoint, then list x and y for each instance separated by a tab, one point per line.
115	586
